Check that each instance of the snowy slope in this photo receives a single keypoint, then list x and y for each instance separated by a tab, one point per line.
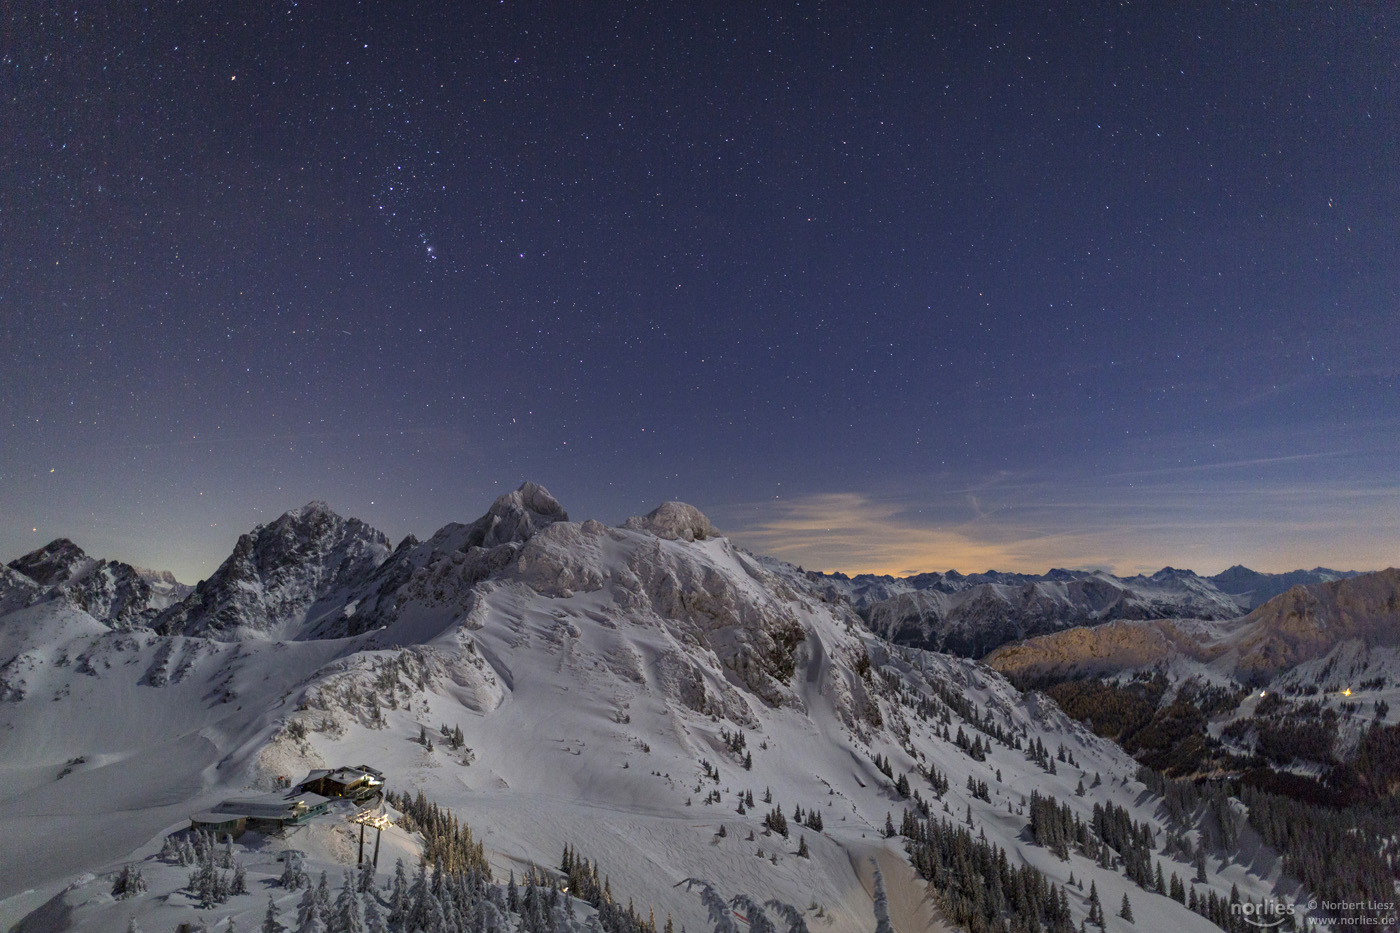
600	678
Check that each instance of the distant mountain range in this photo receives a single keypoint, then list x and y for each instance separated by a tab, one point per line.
973	614
1298	633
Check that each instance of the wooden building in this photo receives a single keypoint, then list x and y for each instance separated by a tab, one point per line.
357	783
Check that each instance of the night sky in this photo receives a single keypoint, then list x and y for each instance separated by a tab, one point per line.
876	286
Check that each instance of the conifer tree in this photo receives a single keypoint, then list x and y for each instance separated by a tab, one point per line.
322	897
270	923
398	897
240	880
313	923
292	875
374	918
1126	911
348	917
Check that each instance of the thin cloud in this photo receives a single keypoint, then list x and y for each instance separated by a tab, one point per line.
1128	531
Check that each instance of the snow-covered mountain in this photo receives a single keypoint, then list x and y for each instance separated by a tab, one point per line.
166	591
971	615
1312	624
112	592
1251	589
281	577
1305	685
648	694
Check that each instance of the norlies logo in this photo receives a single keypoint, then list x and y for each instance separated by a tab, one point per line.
1267	915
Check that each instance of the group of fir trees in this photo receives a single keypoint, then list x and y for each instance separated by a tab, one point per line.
775	821
453	737
583	882
811	817
445	838
977	885
217	876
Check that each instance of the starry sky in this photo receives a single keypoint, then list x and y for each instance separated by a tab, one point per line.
878	286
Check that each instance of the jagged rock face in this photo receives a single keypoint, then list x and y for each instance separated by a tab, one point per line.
54	563
111	592
443	570
747	621
280	576
674	521
166	591
515	517
16	590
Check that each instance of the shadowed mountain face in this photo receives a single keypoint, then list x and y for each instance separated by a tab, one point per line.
52	564
1252	589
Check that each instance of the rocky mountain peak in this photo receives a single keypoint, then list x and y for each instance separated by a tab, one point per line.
674	521
278	574
516	517
52	564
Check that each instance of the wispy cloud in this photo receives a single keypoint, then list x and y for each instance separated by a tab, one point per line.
858	534
1128	528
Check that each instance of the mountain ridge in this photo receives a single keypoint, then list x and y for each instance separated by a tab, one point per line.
611	686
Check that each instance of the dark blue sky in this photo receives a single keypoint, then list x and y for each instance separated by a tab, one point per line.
876	286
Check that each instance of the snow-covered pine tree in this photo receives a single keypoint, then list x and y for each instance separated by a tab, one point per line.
270	922
347	916
292	875
1126	911
374	917
793	916
313	922
306	908
322	897
398	897
239	885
